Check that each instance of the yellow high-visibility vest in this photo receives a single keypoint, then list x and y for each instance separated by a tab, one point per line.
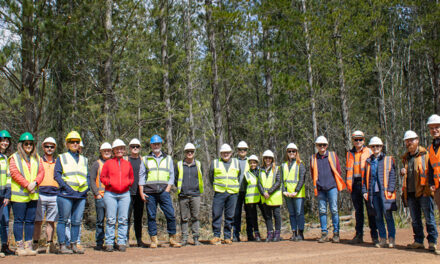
180	176
19	193
74	173
226	181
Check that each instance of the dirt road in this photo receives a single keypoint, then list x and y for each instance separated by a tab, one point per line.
308	251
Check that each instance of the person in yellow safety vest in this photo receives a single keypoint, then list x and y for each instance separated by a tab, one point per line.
244	167
355	164
293	176
98	190
269	185
189	182
27	172
72	175
379	190
327	182
253	197
156	176
223	176
5	192
47	203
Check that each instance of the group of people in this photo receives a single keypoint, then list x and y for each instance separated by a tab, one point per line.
54	189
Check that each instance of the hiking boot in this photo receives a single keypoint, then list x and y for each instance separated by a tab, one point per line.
215	241
122	248
141	244
20	249
433	248
324	238
154	242
6	250
250	237
228	241
28	248
382	243
51	248
196	241
375	242
173	242
269	237
415	245
64	249
35	245
294	235
300	236
257	236
99	247
184	242
109	248
336	238
76	249
357	239
2	255
277	236
392	242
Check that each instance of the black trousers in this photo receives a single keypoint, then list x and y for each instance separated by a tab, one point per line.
137	210
252	217
237	216
275	212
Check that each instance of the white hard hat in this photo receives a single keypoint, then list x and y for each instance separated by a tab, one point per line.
189	146
242	144
49	140
268	153
105	145
410	134
81	144
291	146
118	143
358	134
225	148
434	119
253	157
321	140
375	141
134	141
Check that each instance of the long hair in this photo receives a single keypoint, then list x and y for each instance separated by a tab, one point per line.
23	154
8	150
298	158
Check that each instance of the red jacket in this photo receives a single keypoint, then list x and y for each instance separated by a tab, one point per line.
117	175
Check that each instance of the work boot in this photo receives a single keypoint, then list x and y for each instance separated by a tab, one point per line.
184	242
122	248
35	245
196	241
336	238
215	241
392	242
64	249
376	242
294	235
173	242
250	237
28	248
76	249
357	239
257	236
228	241
141	244
51	248
382	243
99	247
324	238
154	242
109	248
300	236
433	248
269	237
415	245
2	255
6	250
20	249
277	236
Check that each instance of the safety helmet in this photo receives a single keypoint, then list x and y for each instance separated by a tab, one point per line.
73	135
189	146
225	148
134	141
253	157
358	134
242	145
5	134
375	141
291	146
321	140
81	144
26	136
434	119
155	139
268	153
105	145
49	140
410	134
118	143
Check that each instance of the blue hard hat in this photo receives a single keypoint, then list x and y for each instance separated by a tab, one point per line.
155	139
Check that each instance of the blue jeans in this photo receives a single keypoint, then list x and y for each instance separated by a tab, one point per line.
416	206
4	222
166	205
69	208
223	202
328	197
100	216
378	206
358	204
296	213
116	205
24	218
68	225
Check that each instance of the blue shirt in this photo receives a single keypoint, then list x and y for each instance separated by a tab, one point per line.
375	174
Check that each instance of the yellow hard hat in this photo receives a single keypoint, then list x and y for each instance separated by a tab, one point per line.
73	135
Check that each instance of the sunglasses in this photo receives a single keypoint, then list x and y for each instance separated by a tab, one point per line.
358	139
241	149
73	142
135	147
27	144
190	151
321	145
376	146
291	151
49	147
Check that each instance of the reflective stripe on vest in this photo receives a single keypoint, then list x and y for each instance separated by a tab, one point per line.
3	172
291	179
157	173
340	184
74	173
180	176
252	192
19	193
387	166
434	159
351	164
226	181
267	181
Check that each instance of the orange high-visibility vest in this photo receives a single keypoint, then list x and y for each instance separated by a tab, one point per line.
420	166
49	169
387	166
434	159
340	184
101	187
356	165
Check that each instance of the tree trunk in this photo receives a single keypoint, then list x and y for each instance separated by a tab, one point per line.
381	91
189	61
108	68
436	82
216	106
269	89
